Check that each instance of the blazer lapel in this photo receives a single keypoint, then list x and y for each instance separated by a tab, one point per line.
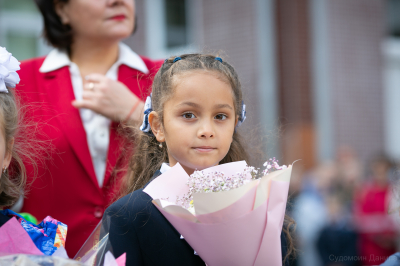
139	84
59	89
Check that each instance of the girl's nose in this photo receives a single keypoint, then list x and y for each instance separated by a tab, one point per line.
206	130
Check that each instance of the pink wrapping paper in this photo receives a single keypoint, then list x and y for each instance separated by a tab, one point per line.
176	176
15	240
237	227
233	211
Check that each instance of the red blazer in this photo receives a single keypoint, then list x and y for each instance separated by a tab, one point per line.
66	187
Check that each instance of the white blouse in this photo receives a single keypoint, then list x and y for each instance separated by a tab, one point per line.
97	127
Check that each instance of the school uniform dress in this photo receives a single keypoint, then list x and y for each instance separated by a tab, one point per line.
138	228
79	181
3	219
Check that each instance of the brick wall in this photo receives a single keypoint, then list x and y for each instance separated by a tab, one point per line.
295	110
356	31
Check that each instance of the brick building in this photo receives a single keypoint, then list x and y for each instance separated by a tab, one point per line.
312	70
317	74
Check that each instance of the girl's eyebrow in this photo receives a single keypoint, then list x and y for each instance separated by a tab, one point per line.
218	106
190	104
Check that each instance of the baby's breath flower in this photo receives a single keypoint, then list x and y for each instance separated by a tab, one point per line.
199	182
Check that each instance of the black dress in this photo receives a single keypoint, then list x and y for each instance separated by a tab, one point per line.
3	219
138	228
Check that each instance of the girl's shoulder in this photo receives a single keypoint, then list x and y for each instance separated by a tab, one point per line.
135	202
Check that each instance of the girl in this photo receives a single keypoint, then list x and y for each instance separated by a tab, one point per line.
12	182
191	117
16	141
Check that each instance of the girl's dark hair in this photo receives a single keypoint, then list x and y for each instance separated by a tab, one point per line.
56	33
148	156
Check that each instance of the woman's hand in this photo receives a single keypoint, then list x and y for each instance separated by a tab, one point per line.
111	99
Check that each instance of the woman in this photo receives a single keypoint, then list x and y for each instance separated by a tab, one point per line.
85	87
377	229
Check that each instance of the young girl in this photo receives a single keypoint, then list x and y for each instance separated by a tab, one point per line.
17	142
11	187
196	105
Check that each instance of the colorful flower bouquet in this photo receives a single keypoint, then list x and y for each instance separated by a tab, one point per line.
18	248
227	213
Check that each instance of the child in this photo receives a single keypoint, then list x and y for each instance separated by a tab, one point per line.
11	187
191	117
14	143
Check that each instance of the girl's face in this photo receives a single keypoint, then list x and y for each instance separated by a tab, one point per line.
5	155
98	19
199	121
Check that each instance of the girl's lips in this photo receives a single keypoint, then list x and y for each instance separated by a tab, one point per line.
118	17
204	149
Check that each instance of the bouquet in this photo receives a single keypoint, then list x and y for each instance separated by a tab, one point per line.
230	214
18	248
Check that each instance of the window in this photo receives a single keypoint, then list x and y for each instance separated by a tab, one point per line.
393	18
21	28
171	26
176	23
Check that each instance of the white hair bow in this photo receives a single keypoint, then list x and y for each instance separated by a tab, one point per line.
8	67
148	107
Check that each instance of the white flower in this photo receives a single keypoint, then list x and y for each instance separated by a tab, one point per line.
8	67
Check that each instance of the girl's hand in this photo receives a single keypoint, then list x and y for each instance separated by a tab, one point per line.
111	99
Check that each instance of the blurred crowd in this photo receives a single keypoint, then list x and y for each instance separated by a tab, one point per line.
346	212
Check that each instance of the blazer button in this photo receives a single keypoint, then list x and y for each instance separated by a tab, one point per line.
98	212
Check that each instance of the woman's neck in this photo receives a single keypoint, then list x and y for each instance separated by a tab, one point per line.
94	57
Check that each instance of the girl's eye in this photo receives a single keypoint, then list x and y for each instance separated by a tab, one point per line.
188	116
220	117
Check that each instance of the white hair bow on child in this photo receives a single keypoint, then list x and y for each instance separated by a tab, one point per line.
148	107
8	67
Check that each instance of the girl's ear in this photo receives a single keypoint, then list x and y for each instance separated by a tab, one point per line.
8	155
234	129
61	11
156	126
237	120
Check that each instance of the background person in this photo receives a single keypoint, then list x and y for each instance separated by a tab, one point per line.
377	229
86	87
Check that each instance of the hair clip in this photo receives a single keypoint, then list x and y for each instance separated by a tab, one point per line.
148	108
242	115
177	59
218	59
8	67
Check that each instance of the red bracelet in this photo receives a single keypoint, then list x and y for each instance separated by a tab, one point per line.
131	111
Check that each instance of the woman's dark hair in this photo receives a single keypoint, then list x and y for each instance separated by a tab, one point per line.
148	156
56	33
